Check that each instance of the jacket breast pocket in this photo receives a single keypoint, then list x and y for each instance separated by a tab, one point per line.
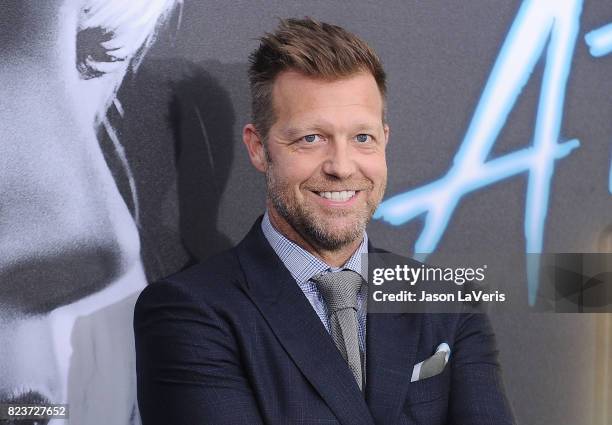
429	389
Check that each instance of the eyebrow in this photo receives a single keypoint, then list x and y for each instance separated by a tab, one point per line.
295	132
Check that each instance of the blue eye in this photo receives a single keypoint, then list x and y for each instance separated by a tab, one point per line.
311	138
363	138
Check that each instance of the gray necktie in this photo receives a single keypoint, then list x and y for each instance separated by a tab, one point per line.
339	290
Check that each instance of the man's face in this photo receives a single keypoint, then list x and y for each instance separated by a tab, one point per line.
325	168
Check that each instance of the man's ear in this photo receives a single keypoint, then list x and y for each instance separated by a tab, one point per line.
386	130
255	147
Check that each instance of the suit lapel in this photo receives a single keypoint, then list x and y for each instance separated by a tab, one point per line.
391	343
299	330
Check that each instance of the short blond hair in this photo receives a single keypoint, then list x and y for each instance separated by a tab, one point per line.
313	48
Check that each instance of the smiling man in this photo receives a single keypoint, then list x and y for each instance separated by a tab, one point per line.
275	330
324	159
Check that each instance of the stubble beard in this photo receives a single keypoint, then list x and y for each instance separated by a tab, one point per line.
313	228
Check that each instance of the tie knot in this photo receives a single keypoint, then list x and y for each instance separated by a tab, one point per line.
339	289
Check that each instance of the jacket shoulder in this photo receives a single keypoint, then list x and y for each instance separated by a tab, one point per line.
216	278
221	266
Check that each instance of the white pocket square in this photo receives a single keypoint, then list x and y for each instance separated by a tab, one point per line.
433	365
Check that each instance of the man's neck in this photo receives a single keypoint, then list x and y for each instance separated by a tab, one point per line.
333	258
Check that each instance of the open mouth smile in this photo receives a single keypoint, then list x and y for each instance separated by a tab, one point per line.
339	196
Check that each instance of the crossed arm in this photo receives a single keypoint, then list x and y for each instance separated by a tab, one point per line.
188	366
190	370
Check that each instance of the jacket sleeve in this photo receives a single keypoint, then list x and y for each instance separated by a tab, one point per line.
477	392
187	362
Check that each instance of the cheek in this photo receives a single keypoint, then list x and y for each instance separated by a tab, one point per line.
375	169
286	180
296	172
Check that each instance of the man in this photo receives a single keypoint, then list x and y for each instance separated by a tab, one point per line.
275	330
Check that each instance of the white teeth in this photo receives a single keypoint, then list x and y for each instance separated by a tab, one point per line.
345	195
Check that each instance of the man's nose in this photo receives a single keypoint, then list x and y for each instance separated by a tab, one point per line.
340	162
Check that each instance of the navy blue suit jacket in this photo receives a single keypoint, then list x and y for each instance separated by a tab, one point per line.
235	341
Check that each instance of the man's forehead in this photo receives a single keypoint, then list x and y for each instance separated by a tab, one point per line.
290	79
295	93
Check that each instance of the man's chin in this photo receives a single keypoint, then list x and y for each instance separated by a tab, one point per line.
331	236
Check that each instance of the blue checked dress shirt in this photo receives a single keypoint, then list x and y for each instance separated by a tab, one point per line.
303	266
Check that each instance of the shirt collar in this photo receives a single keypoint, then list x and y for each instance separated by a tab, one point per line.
302	264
